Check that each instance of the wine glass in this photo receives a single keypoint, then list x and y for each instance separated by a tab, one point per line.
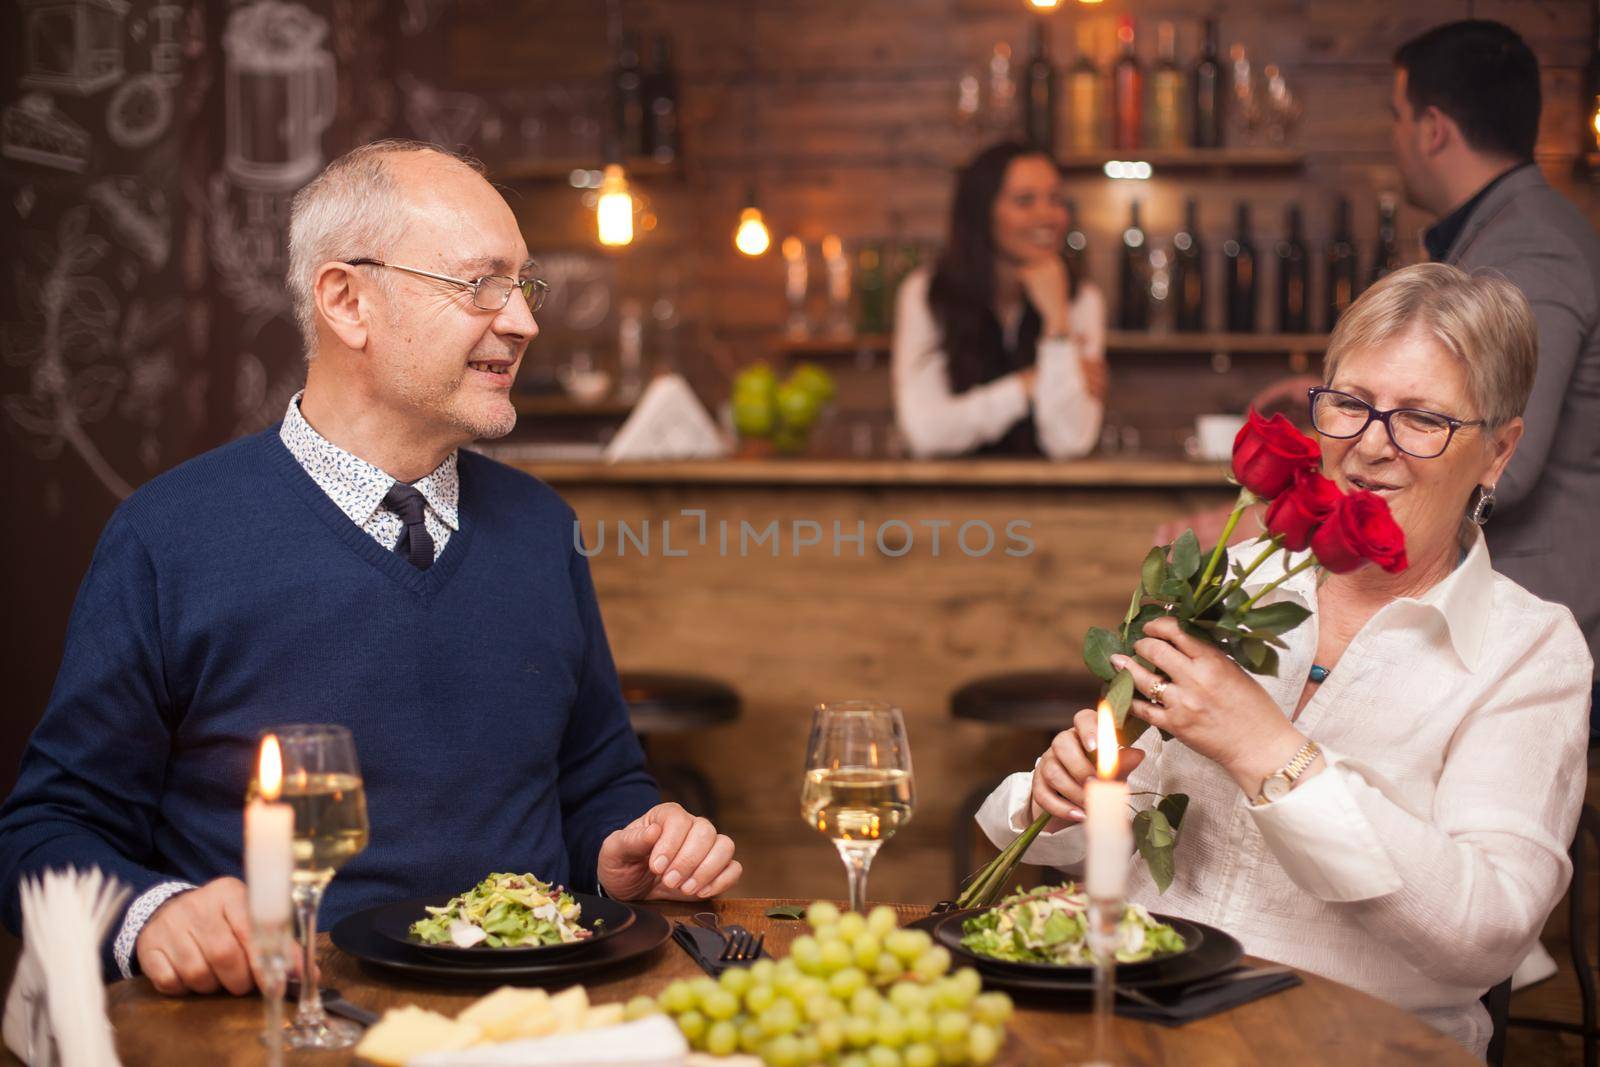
858	788
322	785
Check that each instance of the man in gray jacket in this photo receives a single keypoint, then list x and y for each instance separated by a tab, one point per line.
1466	115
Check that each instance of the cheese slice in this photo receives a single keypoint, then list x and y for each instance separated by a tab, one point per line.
509	1013
406	1032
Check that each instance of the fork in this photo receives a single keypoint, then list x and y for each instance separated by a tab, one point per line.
739	945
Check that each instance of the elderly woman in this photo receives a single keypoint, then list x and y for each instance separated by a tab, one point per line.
1443	710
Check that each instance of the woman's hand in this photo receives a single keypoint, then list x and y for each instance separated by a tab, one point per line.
1045	281
1066	765
1211	705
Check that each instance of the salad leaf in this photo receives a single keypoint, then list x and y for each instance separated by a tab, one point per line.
1051	924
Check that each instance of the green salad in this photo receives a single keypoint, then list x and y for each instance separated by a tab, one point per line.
504	911
1050	925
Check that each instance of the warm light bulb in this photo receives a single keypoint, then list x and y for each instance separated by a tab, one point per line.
1594	121
1045	5
614	211
270	774
752	237
1105	742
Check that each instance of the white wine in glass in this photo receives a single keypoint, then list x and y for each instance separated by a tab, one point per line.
322	784
858	787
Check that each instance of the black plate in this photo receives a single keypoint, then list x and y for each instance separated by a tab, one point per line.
1218	951
948	933
354	934
603	917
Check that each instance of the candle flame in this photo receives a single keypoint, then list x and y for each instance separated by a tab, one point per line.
1105	742
270	775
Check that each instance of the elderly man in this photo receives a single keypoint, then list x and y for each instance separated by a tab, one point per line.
352	566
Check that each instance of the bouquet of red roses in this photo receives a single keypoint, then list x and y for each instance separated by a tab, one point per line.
1275	464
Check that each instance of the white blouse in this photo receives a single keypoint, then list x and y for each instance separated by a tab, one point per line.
1421	864
938	422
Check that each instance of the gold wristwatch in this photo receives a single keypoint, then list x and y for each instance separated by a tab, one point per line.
1277	786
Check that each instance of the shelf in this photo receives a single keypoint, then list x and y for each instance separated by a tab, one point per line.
1116	341
544	170
1188	160
565	407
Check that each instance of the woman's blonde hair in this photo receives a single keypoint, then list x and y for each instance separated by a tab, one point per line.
1481	319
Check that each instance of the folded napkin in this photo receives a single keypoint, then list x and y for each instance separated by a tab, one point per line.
654	1041
705	947
56	1011
1208	996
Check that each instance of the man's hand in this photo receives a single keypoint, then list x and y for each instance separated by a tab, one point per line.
667	854
199	941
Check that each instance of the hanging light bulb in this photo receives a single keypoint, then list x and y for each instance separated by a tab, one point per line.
752	237
614	210
1594	121
1044	5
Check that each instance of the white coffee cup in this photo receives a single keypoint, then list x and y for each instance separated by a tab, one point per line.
1214	434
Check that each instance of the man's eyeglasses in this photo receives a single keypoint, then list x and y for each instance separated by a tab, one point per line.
1414	431
489	293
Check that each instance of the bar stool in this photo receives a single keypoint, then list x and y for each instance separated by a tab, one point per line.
1043	701
664	703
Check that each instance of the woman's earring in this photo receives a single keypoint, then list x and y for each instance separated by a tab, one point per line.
1482	506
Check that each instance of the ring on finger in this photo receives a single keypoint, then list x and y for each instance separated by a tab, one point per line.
1158	687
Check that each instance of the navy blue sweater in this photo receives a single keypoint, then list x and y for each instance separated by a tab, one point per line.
231	594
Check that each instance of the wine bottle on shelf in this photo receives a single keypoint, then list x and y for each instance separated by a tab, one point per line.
1386	257
1209	98
1039	101
1076	252
1344	271
1127	91
1294	277
872	307
1189	273
1085	97
627	98
1133	307
1239	262
1167	105
661	103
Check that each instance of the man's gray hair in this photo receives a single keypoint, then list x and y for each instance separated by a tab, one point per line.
353	209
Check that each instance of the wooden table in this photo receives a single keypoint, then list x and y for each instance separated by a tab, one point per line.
1321	1022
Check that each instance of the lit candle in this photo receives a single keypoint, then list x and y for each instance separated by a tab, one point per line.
268	841
1108	821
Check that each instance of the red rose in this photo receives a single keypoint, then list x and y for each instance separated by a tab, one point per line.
1269	452
1297	513
1360	531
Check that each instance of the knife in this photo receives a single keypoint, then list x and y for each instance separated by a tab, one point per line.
334	1004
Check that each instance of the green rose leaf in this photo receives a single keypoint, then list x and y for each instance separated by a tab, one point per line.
1186	555
1133	610
1153	835
1154	570
1099	645
1276	618
1252	653
1269	661
1119	694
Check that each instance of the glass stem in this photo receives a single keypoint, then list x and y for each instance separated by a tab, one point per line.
306	900
857	856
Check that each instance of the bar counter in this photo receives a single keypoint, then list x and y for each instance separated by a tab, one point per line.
803	580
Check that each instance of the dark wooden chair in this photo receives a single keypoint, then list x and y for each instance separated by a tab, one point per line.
1041	701
1579	939
664	703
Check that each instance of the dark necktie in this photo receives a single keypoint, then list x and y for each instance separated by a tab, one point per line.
415	544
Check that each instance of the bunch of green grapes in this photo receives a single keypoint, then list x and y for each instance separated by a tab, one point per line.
855	992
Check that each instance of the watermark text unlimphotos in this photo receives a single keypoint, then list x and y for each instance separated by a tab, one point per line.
693	532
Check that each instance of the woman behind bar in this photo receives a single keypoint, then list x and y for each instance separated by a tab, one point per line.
1443	710
998	349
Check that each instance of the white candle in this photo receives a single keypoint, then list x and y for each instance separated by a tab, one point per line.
269	842
1108	821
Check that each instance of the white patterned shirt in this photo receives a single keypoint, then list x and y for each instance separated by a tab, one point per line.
358	488
1421	864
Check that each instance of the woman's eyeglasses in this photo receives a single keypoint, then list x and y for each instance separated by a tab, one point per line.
1414	431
